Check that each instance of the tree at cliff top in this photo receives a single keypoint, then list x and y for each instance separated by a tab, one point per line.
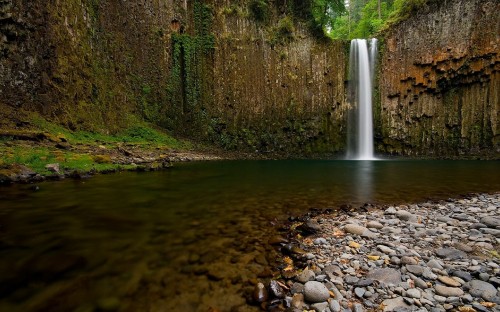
317	13
364	18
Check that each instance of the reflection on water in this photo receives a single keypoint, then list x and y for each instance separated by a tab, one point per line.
189	238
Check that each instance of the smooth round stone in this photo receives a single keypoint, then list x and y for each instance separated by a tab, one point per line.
360	292
484	277
415	269
481	289
413	293
492	222
466	276
374	225
448	281
335	306
448	291
355	229
351	280
451	253
385	275
315	292
305	276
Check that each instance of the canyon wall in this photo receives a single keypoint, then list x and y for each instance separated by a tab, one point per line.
440	81
208	70
217	72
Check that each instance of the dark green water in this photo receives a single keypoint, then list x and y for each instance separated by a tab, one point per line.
189	238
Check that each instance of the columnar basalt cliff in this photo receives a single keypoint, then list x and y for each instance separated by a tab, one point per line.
440	81
219	72
205	69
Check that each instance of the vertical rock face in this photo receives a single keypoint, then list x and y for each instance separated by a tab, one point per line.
440	81
205	69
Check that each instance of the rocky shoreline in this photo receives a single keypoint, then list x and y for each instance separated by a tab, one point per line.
422	257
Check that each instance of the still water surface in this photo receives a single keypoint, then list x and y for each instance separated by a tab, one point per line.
189	238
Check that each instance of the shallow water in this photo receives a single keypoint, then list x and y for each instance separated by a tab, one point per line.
189	238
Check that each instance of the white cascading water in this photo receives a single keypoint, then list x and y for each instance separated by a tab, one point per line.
362	72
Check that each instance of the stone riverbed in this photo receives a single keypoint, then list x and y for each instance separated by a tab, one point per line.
424	257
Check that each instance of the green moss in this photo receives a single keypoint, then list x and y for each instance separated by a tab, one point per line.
283	33
260	10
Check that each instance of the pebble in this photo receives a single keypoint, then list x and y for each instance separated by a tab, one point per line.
315	292
404	258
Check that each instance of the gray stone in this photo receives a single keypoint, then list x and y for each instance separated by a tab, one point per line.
315	292
481	289
351	280
415	269
479	307
386	250
319	307
434	264
405	215
385	276
493	232
306	275
448	291
297	288
450	253
355	229
413	293
491	222
484	277
390	211
334	306
374	225
466	276
337	293
408	260
440	299
420	283
360	292
395	304
448	281
358	307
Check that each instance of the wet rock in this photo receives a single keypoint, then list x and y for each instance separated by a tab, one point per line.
276	290
306	275
315	292
260	293
298	301
309	227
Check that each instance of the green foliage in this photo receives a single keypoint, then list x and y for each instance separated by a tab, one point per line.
365	18
186	85
283	33
260	10
317	13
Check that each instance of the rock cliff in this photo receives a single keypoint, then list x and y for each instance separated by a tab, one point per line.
440	81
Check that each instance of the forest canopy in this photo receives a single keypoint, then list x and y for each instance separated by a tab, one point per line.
348	19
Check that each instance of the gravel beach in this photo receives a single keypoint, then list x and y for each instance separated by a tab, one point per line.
423	257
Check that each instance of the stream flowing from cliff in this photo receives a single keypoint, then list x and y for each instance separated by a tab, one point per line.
189	238
362	62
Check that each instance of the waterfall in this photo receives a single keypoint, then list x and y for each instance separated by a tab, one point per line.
361	79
